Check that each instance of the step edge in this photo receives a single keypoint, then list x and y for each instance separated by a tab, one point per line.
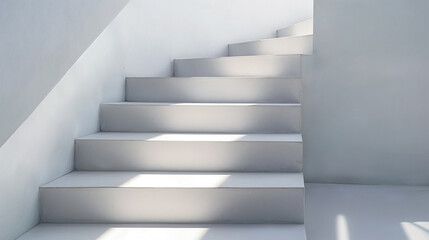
272	39
201	104
297	176
297	23
298	137
212	78
231	57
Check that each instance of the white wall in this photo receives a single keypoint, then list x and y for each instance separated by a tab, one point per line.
366	106
141	41
40	41
158	31
41	149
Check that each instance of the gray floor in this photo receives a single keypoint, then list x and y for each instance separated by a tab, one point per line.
363	212
333	212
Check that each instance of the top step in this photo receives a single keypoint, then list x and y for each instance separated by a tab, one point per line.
299	29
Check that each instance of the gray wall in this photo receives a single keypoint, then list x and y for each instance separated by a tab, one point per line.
40	41
366	102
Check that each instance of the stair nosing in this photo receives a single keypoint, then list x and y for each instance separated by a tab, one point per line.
272	39
202	78
297	177
129	138
125	103
247	56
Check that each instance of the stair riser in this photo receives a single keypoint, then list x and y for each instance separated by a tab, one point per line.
141	205
295	45
202	119
248	66
299	29
233	90
111	155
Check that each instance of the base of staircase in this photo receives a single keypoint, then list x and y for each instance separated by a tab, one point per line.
333	211
165	232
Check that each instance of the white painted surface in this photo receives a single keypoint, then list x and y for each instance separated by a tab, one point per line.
232	90
132	45
275	46
165	232
189	152
158	31
130	197
348	212
273	118
40	41
365	108
242	66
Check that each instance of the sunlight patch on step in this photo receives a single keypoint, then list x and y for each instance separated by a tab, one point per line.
176	180
154	233
416	230
197	137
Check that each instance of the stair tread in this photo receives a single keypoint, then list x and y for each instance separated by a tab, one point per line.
272	40
201	104
166	232
94	179
238	57
212	78
193	137
304	27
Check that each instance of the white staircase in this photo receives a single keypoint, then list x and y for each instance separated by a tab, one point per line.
214	153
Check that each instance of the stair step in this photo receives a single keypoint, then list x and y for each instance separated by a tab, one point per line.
117	151
201	117
299	29
165	197
212	89
166	232
243	66
284	45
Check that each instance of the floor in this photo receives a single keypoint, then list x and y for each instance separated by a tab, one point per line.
333	212
363	212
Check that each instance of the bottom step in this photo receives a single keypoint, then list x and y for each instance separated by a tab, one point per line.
171	197
165	232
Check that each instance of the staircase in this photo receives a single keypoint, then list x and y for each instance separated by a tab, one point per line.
214	153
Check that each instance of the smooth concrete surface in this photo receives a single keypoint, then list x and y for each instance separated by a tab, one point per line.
40	41
201	117
274	46
241	66
130	197
139	42
165	232
121	179
365	108
333	212
298	29
189	152
356	212
232	90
